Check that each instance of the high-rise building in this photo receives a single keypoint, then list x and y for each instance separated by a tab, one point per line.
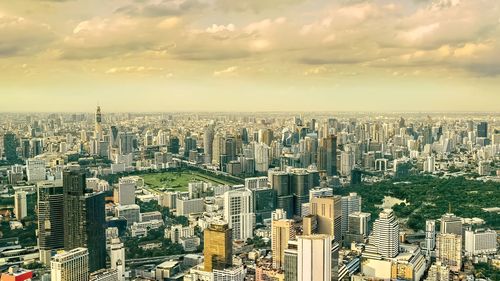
72	265
126	143
430	235
290	261
451	224
282	231
208	142
358	227
84	219
124	193
482	130
35	170
239	214
280	182
20	205
218	249
350	204
386	234
50	219
449	250
328	211
480	241
10	147
117	257
331	155
104	275
314	261
98	124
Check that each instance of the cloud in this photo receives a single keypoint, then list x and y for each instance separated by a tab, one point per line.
161	8
133	69
230	71
220	28
256	6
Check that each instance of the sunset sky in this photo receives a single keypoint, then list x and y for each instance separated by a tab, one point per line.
258	55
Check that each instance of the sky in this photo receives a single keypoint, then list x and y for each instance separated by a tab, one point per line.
255	55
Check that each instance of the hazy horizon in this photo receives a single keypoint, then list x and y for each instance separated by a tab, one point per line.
220	55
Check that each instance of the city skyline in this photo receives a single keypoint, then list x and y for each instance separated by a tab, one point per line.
252	56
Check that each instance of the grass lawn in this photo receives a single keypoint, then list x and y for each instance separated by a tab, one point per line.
177	181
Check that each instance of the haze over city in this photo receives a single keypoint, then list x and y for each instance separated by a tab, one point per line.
214	55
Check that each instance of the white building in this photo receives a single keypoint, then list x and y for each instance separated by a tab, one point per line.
230	274
346	163
70	266
261	157
124	193
20	205
117	257
35	170
438	272
314	258
430	235
186	206
350	204
104	275
429	164
256	183
176	232
386	234
238	213
130	212
480	242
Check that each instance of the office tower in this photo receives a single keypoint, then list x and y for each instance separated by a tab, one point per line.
280	182
266	136
438	272
239	214
113	136
429	164
291	261
189	144
25	148
104	275
328	211
262	160
300	184
264	202
350	204
20	205
229	148
357	227
126	143
84	219
430	235
117	257
124	193
386	234
451	224
36	147
480	241
244	135
482	130
218	249
10	147
282	231
346	162
72	265
331	155
314	258
50	219
449	250
35	170
98	124
208	142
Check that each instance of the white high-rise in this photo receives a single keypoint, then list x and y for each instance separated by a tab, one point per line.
350	204
20	205
35	170
117	256
124	193
261	157
386	234
430	235
238	213
429	164
480	241
70	266
314	262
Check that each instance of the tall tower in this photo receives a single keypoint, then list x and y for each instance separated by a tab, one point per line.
449	250
117	257
451	224
218	249
50	219
239	214
328	210
281	232
331	155
350	204
98	124
386	234
430	235
314	258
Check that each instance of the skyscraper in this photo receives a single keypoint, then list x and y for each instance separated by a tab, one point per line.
20	205
386	234
208	141
328	210
314	258
281	232
10	147
72	265
239	214
449	250
98	124
50	219
84	219
451	224
482	130
218	249
117	257
430	235
331	155
350	204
